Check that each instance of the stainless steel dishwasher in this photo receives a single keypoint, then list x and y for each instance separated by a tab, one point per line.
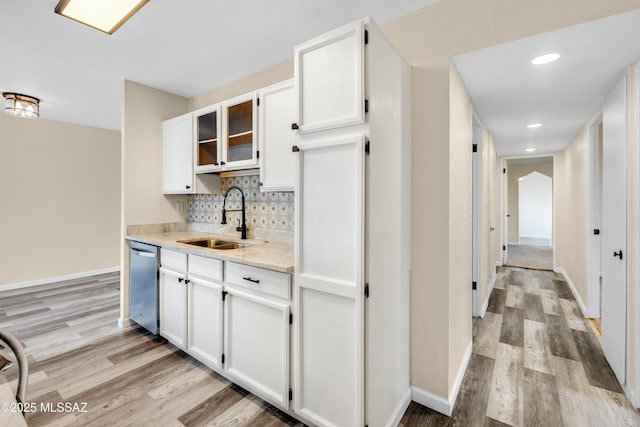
143	285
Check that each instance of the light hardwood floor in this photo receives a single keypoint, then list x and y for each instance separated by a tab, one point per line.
534	362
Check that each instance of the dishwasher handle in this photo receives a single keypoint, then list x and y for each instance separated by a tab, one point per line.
143	253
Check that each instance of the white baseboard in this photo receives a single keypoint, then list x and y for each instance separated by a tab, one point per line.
47	280
574	291
401	408
438	403
124	323
485	306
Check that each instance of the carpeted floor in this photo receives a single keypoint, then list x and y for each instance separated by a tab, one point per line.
530	256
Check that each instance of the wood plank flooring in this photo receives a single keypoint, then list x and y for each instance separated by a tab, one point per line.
534	362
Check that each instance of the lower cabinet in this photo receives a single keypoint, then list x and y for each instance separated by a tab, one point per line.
239	327
257	343
173	307
205	321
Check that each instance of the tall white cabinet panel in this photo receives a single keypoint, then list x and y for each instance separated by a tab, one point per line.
329	75
257	343
205	321
173	307
329	282
276	112
177	158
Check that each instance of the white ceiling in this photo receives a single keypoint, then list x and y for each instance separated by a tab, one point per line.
510	93
183	47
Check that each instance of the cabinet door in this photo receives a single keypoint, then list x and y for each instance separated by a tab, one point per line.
276	112
257	344
173	307
205	321
208	150
240	148
329	76
177	155
328	286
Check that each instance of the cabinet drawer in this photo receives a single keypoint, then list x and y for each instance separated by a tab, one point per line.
206	268
259	279
173	260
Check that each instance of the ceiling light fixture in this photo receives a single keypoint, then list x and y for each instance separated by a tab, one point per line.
21	105
104	15
545	59
530	150
534	125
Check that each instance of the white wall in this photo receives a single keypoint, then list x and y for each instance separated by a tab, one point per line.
535	206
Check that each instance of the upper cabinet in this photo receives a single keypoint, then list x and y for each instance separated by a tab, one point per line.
276	112
177	158
329	77
240	148
208	152
225	136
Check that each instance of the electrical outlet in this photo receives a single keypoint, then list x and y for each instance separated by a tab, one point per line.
180	207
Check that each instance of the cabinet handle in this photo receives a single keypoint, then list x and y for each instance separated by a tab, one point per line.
294	126
249	279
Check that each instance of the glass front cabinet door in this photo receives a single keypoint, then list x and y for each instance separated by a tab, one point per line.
208	149
240	148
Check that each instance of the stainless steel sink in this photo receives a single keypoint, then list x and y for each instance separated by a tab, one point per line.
215	244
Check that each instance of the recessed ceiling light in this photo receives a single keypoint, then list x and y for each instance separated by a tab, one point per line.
530	150
545	59
103	15
534	125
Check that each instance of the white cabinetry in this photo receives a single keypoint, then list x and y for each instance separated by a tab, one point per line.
276	113
329	76
257	330
208	147
173	307
351	353
191	304
240	147
177	160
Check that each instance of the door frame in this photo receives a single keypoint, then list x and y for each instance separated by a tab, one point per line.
476	212
634	85
594	219
504	241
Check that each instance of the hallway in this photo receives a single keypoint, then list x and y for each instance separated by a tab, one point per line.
536	257
535	361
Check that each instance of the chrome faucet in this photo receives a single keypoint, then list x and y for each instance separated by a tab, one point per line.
242	228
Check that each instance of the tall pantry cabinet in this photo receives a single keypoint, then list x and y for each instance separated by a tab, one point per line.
352	234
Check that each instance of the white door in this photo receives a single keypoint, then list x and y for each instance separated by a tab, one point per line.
329	283
205	321
276	112
177	155
173	307
614	230
329	74
257	343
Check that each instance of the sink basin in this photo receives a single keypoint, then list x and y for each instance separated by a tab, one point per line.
216	244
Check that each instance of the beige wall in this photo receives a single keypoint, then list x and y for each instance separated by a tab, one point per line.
60	185
143	110
516	171
427	39
460	224
266	77
571	211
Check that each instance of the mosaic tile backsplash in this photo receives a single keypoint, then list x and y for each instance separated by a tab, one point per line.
272	210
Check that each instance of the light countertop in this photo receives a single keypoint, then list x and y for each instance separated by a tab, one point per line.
266	254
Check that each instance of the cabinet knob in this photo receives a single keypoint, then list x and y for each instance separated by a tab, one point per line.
260	184
188	187
180	279
222	163
187	281
216	164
